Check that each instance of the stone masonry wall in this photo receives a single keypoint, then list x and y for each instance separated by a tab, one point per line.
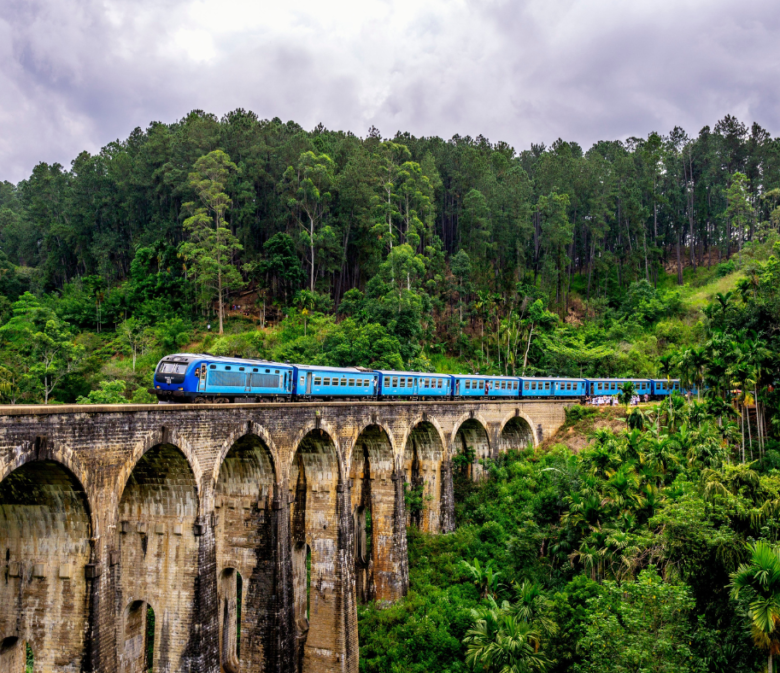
106	512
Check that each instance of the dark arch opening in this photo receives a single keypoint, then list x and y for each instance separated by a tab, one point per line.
314	476
45	530
136	653
158	544
423	454
516	435
246	539
471	446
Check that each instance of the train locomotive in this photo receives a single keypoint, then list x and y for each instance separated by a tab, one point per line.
201	377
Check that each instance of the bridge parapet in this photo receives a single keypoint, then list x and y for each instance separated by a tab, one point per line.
117	513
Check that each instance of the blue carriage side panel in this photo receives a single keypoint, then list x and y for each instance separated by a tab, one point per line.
503	386
533	386
569	387
314	381
245	378
433	385
192	375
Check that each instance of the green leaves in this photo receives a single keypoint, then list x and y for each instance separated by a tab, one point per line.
641	625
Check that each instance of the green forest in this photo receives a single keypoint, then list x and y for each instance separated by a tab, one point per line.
650	546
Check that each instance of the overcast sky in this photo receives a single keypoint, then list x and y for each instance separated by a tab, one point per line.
77	74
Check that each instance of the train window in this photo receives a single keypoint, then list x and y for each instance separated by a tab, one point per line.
267	371
395	382
533	385
409	383
212	366
527	385
241	369
344	382
317	381
403	383
439	383
468	385
326	381
227	368
351	382
255	369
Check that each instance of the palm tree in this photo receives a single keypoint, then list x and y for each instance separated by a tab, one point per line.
485	578
758	581
499	642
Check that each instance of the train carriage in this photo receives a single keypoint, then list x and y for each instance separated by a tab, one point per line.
469	386
550	386
334	382
188	377
502	386
664	387
393	384
536	386
612	387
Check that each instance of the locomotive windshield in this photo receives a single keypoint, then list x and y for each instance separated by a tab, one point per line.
172	368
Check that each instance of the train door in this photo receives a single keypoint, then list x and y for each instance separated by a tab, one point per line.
248	383
202	378
308	383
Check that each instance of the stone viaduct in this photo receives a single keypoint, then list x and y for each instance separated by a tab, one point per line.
210	538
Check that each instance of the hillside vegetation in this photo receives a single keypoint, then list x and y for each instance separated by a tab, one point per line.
637	540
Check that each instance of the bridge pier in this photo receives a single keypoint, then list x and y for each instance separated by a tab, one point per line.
137	531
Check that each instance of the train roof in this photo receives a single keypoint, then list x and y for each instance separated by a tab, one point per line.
490	377
394	372
617	378
550	378
342	370
189	357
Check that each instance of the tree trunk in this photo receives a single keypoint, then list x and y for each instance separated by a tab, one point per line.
679	262
527	348
311	252
220	301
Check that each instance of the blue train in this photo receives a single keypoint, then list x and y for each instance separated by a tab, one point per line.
200	377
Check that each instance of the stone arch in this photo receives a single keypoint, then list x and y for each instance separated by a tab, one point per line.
134	641
159	437
471	434
424	451
40	449
319	430
314	521
158	548
377	487
246	534
240	430
516	431
45	534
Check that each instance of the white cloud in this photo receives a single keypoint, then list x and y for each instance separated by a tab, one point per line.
76	74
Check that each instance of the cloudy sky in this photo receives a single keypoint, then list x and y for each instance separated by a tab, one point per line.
77	74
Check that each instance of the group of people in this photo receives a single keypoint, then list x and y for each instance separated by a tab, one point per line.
612	400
